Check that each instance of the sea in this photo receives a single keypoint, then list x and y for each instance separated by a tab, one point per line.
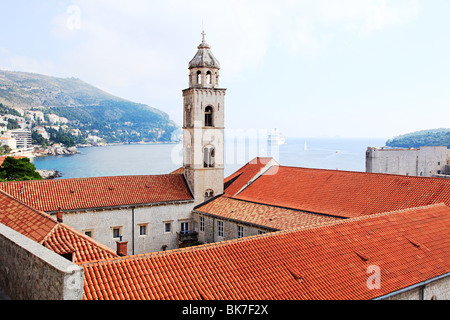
151	159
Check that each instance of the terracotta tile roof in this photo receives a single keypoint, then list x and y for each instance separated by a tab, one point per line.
239	179
45	230
98	192
343	193
178	171
64	239
325	262
23	219
261	215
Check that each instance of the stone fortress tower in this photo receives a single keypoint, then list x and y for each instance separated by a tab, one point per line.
203	127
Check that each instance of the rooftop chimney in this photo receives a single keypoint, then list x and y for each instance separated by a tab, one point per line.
122	247
59	215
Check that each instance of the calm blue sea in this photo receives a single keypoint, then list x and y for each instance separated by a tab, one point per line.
341	154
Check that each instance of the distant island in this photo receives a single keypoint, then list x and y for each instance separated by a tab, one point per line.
67	112
432	137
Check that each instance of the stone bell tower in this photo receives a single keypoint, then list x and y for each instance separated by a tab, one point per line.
203	127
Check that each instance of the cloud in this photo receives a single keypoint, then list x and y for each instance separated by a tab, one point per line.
241	31
139	49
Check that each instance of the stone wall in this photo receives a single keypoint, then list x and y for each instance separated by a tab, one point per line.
230	229
436	290
422	162
29	271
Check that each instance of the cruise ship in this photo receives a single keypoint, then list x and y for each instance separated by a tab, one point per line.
276	137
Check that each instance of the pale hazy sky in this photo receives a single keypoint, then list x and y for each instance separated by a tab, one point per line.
312	68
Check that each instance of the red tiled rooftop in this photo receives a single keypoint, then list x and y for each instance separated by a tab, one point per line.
235	182
178	171
44	229
325	262
343	193
261	215
98	192
64	239
24	219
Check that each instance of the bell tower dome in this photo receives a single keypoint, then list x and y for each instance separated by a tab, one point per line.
203	126
204	67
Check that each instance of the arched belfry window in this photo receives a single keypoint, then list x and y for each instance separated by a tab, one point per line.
208	77
199	77
209	194
209	155
209	116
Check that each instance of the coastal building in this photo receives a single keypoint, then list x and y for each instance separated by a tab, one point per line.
35	115
41	130
8	141
23	138
422	162
269	231
53	119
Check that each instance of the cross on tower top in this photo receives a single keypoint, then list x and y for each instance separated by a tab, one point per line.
203	36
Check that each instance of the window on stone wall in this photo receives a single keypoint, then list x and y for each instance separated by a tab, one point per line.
202	223
184	228
167	227
220	228
208	77
240	231
209	194
89	233
117	232
209	157
209	116
143	228
199	77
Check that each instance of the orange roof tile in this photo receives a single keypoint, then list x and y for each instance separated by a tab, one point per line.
64	239
326	262
45	230
98	192
344	193
24	219
178	171
261	215
235	182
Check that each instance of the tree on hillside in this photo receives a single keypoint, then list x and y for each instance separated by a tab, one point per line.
14	169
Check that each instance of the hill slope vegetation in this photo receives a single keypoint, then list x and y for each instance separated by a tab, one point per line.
432	137
86	107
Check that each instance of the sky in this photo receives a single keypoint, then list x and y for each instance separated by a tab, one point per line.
311	68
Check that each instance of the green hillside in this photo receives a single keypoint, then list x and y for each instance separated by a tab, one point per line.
87	107
432	137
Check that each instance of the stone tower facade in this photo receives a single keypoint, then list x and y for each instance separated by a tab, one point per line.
203	127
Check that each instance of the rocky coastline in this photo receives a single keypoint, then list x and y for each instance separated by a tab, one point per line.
55	150
49	174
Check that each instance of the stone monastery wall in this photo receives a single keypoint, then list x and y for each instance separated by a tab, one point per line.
29	271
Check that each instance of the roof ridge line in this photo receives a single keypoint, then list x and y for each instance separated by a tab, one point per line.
287	208
363	173
269	165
